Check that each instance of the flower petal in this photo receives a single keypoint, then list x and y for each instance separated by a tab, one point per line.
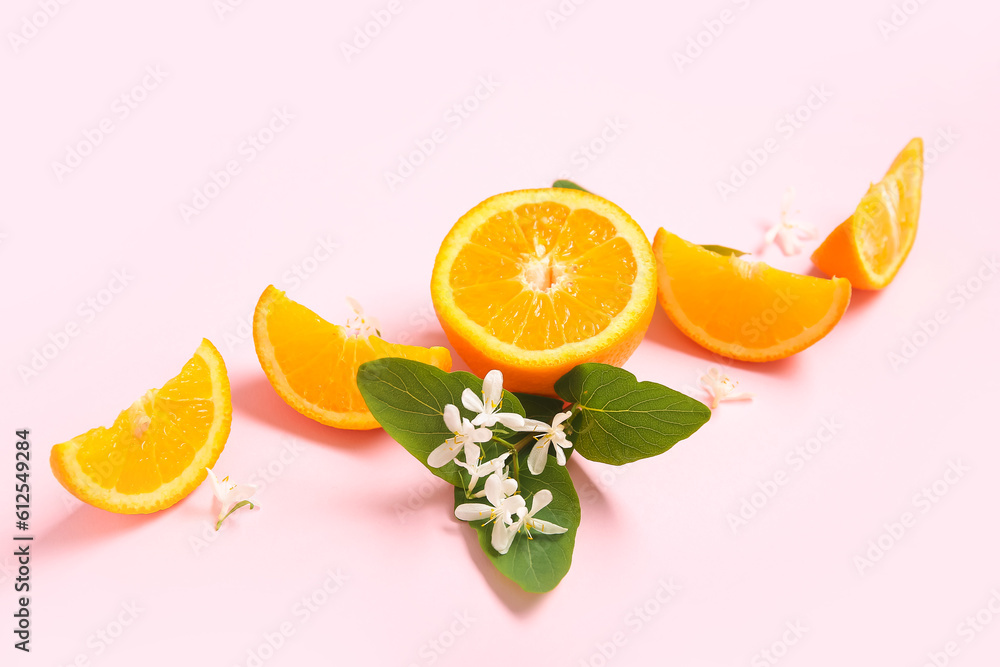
511	420
545	527
494	465
561	417
473	511
443	453
535	426
216	489
508	486
355	306
481	435
513	505
493	389
471	401
771	234
540	500
560	456
452	418
539	453
472	453
503	536
494	490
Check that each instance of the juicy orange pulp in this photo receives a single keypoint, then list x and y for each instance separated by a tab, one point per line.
742	309
157	450
313	364
534	282
870	247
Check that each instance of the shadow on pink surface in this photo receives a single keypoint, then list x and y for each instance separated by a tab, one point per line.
88	526
663	332
254	398
594	508
518	601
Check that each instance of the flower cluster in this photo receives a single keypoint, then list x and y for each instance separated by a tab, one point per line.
506	509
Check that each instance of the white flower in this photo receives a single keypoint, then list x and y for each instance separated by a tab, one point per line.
529	523
485	470
359	324
504	475
501	510
466	437
554	434
230	494
790	232
487	406
720	388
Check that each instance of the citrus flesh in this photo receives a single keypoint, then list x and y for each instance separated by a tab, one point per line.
741	309
313	364
534	282
870	247
157	450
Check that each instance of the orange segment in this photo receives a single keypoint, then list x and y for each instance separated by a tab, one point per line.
741	309
157	450
869	247
535	282
313	364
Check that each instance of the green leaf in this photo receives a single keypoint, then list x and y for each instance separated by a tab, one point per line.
539	564
620	419
723	250
568	185
408	397
541	408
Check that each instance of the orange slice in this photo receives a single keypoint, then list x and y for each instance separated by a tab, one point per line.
534	282
313	364
157	450
869	247
741	309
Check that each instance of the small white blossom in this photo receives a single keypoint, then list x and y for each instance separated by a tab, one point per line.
790	231
720	388
466	437
529	523
359	324
478	471
231	495
504	504
554	434
487	406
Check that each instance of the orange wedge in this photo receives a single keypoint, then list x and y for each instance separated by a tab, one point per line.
313	364
869	247
742	309
157	450
534	282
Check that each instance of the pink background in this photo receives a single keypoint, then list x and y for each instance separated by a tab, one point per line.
334	501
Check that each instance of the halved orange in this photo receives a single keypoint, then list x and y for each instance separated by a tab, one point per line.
742	309
157	450
870	246
313	364
534	282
